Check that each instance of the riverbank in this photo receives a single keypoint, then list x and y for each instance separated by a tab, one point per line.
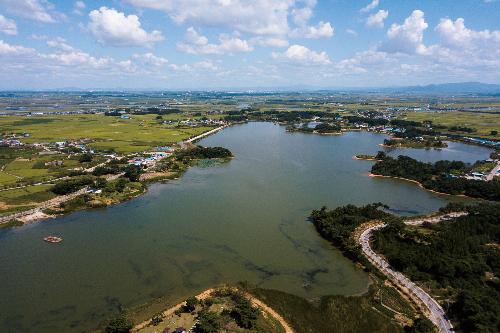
421	186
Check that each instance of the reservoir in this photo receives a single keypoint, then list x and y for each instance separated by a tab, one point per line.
245	220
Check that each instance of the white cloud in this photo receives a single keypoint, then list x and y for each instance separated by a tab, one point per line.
372	5
59	43
322	30
150	59
7	26
198	44
257	16
205	65
7	49
127	66
407	37
114	28
77	57
269	41
377	19
351	32
78	7
302	55
302	15
30	9
456	34
180	68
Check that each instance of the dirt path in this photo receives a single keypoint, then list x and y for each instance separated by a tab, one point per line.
264	307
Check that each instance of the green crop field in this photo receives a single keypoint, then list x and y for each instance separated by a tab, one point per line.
27	195
484	123
141	131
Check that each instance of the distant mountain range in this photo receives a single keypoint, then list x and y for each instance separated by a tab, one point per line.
461	88
450	88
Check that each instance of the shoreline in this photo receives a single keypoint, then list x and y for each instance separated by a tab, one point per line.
37	214
420	185
207	293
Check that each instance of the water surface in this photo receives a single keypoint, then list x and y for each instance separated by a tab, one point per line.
243	220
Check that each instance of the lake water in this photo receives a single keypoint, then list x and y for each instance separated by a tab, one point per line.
245	220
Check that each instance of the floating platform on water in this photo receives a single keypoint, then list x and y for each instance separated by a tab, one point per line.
52	239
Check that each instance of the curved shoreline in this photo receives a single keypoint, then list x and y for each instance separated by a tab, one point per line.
207	293
420	185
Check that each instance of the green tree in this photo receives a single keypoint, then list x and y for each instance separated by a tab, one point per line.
85	158
208	322
191	303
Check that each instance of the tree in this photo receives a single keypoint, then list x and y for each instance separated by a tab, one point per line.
494	132
133	172
208	322
421	325
120	324
191	303
85	158
244	313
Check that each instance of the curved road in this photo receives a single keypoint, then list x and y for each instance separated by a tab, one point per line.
436	313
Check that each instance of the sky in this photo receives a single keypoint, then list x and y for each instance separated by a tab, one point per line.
246	44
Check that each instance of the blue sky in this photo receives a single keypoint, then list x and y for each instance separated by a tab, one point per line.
210	44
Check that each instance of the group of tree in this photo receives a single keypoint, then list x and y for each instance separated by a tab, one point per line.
200	152
366	120
74	184
460	257
439	176
325	128
337	225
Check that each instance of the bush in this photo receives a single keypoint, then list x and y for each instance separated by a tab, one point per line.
85	158
120	324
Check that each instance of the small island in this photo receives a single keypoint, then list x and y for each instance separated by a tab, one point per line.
321	128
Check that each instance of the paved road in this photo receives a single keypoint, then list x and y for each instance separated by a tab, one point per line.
493	172
206	134
436	312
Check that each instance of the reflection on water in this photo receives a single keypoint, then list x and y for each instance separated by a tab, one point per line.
241	220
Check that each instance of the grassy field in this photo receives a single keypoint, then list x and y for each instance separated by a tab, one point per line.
16	200
124	135
484	123
331	314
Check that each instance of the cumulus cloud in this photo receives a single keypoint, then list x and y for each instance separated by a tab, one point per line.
8	49
377	19
7	26
196	43
114	28
372	5
407	37
322	30
150	59
257	16
456	34
30	9
77	57
304	56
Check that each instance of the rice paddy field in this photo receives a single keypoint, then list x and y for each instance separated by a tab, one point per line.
139	133
483	122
